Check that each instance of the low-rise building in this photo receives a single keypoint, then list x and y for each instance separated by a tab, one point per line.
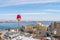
57	28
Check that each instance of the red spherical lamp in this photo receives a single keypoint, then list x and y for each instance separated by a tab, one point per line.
18	17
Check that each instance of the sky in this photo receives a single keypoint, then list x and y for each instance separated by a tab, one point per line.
30	10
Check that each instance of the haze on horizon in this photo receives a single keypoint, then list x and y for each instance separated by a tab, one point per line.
35	10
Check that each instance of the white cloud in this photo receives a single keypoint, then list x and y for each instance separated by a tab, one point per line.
33	13
45	15
19	2
25	13
42	16
51	10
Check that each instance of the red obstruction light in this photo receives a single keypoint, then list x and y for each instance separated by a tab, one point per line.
18	17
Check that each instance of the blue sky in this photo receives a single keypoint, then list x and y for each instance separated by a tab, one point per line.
34	10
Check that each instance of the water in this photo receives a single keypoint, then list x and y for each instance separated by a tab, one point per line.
6	25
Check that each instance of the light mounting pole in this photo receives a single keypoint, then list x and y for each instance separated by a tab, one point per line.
18	18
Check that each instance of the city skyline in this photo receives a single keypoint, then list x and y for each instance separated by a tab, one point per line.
35	10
